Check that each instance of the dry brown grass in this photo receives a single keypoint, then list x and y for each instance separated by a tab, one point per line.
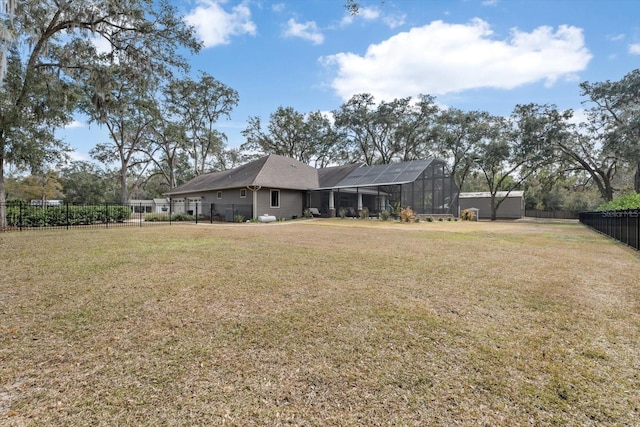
322	322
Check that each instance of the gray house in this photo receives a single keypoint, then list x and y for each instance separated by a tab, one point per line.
284	188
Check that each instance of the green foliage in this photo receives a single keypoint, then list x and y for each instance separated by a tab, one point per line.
156	217
342	213
238	218
364	213
468	215
625	201
384	215
307	213
34	216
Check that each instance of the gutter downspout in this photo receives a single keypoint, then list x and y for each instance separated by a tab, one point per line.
254	208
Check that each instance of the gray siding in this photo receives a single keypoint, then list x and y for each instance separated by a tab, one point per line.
511	208
290	203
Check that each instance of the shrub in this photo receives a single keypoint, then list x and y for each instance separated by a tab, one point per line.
156	217
440	219
307	213
384	215
238	218
181	217
468	215
429	219
625	201
342	213
35	216
364	213
407	215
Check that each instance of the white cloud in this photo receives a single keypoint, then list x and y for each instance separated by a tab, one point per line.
215	26
371	14
634	49
443	58
490	3
307	31
278	7
75	125
617	37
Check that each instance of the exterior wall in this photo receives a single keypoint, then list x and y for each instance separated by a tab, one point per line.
230	205
511	208
291	203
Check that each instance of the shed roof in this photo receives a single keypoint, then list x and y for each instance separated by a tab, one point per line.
483	194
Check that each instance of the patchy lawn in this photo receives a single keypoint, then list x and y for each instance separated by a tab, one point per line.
323	322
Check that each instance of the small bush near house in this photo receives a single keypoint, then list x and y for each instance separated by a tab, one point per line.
384	215
238	218
468	215
342	213
307	213
407	215
156	217
182	217
429	219
364	213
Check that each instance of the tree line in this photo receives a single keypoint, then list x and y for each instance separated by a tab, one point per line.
163	122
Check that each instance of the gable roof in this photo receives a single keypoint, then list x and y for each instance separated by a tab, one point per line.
270	171
274	171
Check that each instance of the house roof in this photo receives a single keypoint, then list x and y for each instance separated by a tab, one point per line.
271	171
331	176
390	174
274	171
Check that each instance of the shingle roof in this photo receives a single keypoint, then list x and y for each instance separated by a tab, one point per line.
274	171
271	171
328	177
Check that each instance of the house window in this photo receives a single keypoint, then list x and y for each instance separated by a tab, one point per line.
275	198
243	193
219	194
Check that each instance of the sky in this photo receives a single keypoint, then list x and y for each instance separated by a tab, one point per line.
487	55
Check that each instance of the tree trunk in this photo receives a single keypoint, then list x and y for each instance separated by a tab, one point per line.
123	186
494	208
3	194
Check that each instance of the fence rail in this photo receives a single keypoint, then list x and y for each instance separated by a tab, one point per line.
557	214
622	225
39	216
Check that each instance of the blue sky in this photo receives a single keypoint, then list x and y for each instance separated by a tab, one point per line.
471	54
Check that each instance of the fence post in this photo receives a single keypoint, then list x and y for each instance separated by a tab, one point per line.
140	208
170	209
67	213
20	216
106	214
196	212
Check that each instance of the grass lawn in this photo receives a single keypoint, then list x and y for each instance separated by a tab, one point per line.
317	323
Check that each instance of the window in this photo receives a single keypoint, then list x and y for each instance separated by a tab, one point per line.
219	194
275	198
243	193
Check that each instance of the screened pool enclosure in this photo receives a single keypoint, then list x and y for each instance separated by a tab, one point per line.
424	185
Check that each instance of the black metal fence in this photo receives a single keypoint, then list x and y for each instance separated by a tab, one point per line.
622	225
557	214
21	216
